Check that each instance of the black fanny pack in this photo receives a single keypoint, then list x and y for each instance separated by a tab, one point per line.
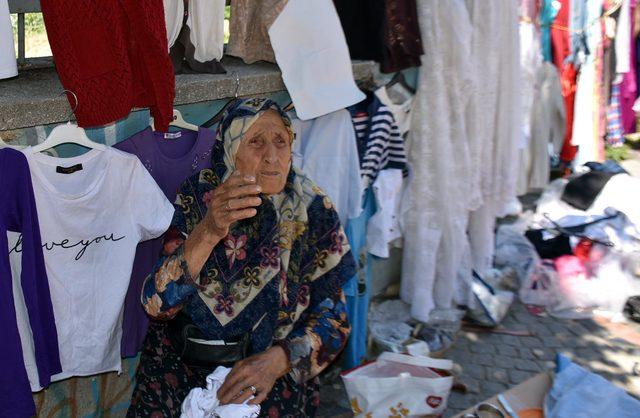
197	350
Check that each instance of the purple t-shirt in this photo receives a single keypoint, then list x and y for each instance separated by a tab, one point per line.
171	159
18	213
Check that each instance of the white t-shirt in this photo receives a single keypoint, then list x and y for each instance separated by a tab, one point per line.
8	65
325	149
91	221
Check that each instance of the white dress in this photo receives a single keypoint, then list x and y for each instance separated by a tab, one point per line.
435	213
463	147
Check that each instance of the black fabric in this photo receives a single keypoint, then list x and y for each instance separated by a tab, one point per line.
182	53
550	248
632	308
581	191
363	23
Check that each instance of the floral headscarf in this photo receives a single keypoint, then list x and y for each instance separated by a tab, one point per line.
272	267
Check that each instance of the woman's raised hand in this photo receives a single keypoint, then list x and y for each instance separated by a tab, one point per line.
233	200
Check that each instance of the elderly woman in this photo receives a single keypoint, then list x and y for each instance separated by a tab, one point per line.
255	257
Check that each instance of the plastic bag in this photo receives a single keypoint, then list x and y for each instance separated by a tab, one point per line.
541	288
491	305
399	385
514	250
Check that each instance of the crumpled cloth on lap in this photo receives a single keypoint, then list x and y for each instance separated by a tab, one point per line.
203	403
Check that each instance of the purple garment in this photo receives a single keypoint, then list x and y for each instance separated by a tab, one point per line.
18	213
629	87
170	162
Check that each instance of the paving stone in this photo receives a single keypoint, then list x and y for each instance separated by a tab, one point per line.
531	342
511	340
483	348
507	350
588	354
505	362
500	376
518	376
475	371
493	388
473	385
557	328
526	353
544	354
527	365
483	359
552	342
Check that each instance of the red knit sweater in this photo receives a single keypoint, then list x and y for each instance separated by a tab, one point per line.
113	55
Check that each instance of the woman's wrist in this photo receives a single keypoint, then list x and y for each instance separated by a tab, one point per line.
282	360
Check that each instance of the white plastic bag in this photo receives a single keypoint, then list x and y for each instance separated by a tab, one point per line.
399	385
541	287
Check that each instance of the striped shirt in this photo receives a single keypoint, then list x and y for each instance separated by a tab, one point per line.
384	144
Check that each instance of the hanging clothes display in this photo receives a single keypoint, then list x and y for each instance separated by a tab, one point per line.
586	131
8	64
328	145
115	58
500	136
547	127
401	36
548	14
436	211
401	110
195	30
18	213
94	209
628	85
316	68
248	29
568	73
170	158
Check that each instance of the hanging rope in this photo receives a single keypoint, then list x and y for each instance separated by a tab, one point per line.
611	10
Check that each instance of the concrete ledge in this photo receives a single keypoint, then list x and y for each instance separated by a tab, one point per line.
35	96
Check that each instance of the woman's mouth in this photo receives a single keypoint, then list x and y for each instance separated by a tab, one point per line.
270	173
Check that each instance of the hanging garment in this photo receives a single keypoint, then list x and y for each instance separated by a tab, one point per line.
362	22
436	210
360	118
547	16
248	29
384	226
18	213
401	111
568	73
530	62
614	120
195	29
358	289
384	146
547	128
325	150
170	159
114	59
628	87
586	131
316	68
94	210
401	36
499	135
8	64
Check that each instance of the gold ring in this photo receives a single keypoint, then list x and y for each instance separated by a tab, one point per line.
253	389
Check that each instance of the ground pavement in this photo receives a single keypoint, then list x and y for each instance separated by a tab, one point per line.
489	363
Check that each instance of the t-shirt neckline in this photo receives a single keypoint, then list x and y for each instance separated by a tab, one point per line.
88	157
156	136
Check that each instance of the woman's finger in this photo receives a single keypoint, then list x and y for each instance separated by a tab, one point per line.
242	190
260	397
247	202
229	388
235	390
237	215
243	396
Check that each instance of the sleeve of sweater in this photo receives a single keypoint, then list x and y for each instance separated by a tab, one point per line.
23	217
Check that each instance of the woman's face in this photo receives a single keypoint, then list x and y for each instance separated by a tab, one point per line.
265	152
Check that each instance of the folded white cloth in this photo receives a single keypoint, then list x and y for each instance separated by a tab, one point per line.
203	403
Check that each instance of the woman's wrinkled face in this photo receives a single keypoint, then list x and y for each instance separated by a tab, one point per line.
265	152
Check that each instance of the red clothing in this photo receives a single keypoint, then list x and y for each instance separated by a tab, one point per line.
113	55
561	44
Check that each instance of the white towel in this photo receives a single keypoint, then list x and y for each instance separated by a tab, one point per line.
203	403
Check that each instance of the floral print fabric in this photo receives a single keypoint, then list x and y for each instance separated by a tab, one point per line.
277	276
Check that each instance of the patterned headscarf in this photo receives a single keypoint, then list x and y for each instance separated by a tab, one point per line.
271	267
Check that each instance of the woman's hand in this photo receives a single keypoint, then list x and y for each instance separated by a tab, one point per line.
258	372
233	200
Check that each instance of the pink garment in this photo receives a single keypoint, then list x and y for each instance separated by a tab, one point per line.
570	267
629	87
530	9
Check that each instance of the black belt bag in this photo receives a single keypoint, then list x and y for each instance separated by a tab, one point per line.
196	350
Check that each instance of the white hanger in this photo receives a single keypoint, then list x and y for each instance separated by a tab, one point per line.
68	133
179	122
